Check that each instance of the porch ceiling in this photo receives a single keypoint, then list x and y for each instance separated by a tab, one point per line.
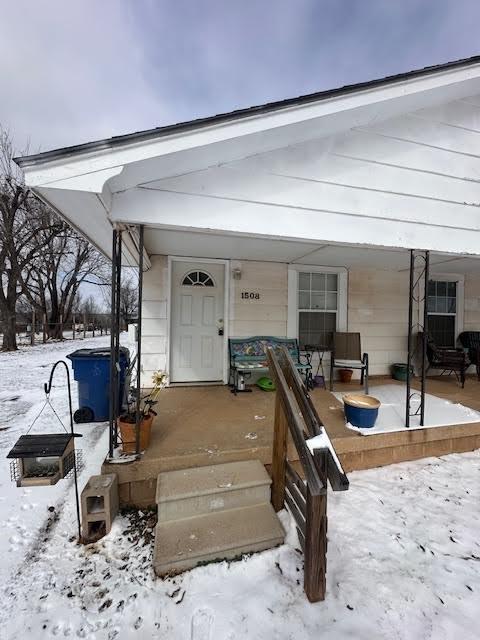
209	245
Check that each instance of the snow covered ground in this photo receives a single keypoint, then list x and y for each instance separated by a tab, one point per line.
403	554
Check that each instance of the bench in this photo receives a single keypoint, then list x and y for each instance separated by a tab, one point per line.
249	355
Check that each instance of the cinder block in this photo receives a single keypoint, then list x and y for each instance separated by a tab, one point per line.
99	506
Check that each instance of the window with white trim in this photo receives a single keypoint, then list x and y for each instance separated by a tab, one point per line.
317	307
442	312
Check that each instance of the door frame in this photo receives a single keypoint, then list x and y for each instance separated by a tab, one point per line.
226	308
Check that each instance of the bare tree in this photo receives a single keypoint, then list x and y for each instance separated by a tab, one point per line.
22	218
53	280
89	306
128	296
128	300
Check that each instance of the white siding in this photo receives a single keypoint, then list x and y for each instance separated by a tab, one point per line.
268	315
472	303
378	309
154	320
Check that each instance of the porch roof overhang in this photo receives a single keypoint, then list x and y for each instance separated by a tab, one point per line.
185	243
245	174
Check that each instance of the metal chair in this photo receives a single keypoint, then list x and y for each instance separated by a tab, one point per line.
347	354
471	340
446	359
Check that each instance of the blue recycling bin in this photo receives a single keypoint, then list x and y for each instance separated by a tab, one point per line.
91	370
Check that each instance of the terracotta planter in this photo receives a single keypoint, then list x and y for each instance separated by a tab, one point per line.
345	375
127	432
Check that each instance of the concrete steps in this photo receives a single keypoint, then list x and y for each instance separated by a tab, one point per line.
211	513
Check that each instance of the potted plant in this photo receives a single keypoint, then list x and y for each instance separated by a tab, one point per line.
128	420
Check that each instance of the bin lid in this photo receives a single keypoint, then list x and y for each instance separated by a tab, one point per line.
102	352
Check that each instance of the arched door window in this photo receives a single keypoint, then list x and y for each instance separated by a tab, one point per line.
198	279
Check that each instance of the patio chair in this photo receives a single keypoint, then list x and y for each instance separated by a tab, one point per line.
471	340
448	360
347	354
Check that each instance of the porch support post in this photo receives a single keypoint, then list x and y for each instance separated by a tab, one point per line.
117	333
112	343
139	338
410	321
115	336
418	292
425	337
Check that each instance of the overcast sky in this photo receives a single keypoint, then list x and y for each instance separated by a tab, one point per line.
78	70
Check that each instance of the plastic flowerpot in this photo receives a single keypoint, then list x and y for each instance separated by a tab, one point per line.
361	411
399	371
345	375
128	435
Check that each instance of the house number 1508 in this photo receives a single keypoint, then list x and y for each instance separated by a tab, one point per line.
250	295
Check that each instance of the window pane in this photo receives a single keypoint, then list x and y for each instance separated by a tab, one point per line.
452	289
332	282
441	305
304	300
452	305
432	290
316	328
442	330
331	301
304	281
318	282
318	300
432	307
441	288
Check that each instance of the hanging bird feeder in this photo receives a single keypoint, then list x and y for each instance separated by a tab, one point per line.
42	459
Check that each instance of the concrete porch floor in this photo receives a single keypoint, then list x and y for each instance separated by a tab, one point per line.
199	426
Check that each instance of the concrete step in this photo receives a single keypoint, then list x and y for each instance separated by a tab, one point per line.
183	544
201	490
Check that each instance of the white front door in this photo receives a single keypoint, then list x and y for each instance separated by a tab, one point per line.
198	293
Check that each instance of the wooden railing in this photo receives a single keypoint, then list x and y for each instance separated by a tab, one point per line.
306	500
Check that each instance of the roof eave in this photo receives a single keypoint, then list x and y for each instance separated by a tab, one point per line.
194	125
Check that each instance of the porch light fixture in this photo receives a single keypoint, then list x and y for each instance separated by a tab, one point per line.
237	273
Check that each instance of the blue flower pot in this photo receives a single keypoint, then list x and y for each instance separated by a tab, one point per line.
360	410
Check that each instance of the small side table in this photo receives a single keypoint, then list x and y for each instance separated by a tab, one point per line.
320	350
